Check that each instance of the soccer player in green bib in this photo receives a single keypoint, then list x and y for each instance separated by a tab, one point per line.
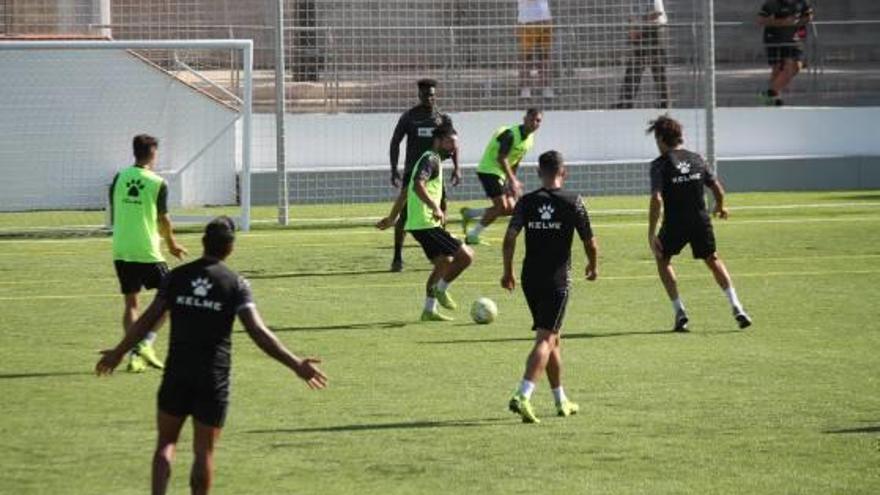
425	220
139	211
497	173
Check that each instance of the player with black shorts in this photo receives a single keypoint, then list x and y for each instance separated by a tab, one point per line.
203	298
425	221
678	177
785	28
139	213
550	216
416	125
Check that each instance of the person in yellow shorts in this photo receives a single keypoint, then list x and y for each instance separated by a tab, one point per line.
535	33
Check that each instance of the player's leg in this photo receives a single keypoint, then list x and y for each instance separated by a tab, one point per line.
205	438
400	233
153	274
456	257
130	284
791	67
431	312
672	242
658	71
545	46
632	78
703	247
536	363
169	431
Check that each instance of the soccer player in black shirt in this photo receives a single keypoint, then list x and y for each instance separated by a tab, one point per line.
203	298
785	27
549	215
416	125
678	177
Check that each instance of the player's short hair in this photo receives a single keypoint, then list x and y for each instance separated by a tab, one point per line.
443	132
142	145
424	84
531	112
549	163
219	236
667	129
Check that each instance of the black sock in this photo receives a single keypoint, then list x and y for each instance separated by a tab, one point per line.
398	252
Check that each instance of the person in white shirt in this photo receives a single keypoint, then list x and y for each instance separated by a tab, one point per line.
535	33
647	25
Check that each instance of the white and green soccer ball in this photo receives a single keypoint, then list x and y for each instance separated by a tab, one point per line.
484	311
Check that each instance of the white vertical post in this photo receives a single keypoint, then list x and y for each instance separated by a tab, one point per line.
280	104
709	47
104	18
246	139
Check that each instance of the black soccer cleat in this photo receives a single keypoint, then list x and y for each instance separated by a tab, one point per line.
397	265
742	318
681	322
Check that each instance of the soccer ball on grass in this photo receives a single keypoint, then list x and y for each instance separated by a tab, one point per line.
484	311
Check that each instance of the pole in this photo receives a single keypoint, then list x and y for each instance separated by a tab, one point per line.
709	47
246	136
280	97
105	19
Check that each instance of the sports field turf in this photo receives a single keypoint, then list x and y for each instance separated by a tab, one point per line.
790	406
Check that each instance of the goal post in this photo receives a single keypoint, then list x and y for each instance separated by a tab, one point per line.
71	108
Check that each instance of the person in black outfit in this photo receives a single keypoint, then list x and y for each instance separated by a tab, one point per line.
416	125
646	34
203	298
550	216
678	177
785	27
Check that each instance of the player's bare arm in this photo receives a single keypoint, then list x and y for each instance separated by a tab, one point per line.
148	322
456	169
305	368
166	229
396	208
718	192
591	248
654	209
508	279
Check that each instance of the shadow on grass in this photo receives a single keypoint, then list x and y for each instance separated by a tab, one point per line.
584	335
378	325
259	275
866	196
402	425
862	429
47	374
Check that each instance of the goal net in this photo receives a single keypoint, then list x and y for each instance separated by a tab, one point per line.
71	109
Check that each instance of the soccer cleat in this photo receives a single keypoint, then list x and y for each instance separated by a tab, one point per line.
519	404
444	299
397	265
148	354
742	318
435	316
474	240
567	408
681	322
136	364
765	99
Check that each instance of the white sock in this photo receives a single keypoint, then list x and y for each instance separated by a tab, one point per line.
559	395
430	305
677	305
472	213
526	388
476	230
150	338
442	285
730	292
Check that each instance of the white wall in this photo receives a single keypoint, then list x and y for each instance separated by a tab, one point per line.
321	141
67	119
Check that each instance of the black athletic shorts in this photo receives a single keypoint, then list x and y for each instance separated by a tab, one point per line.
133	276
699	234
547	305
206	400
778	54
436	242
492	184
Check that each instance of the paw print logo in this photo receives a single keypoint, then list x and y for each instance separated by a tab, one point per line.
201	286
683	167
134	186
546	212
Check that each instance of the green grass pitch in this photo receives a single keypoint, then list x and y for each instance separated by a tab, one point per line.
790	406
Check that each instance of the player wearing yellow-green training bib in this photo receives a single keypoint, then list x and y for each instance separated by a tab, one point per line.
497	173
139	212
425	219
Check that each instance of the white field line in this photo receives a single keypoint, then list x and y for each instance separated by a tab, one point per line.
475	283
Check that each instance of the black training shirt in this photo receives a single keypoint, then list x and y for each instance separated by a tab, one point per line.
203	297
680	176
550	217
417	125
780	9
